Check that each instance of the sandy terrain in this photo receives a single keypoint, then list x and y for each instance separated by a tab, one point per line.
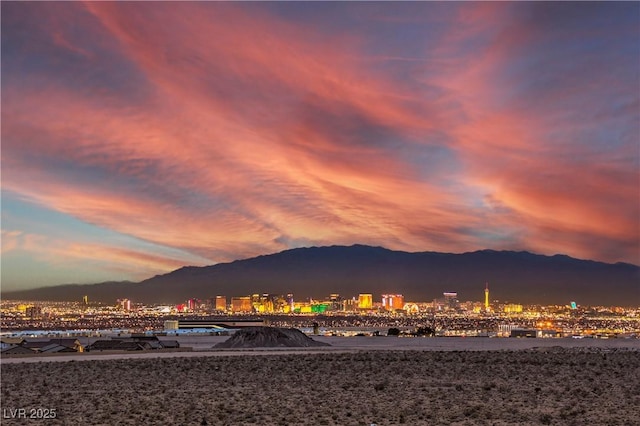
554	385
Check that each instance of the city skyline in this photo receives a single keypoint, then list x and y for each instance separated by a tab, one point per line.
315	272
138	138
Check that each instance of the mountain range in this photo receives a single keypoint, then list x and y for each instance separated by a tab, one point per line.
517	277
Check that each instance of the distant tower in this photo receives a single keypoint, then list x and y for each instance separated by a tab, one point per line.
486	297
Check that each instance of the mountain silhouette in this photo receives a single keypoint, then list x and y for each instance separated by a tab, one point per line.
516	277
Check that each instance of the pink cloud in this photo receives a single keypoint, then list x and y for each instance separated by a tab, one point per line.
69	254
251	130
10	240
564	191
227	154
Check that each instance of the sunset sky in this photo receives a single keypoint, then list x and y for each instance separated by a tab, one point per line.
141	137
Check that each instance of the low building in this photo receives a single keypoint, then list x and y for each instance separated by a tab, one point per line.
55	348
17	350
524	332
69	343
133	343
9	342
118	345
549	333
169	344
171	325
216	324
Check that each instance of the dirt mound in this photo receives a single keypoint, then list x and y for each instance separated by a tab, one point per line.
269	337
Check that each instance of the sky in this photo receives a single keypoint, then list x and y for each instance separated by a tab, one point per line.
139	137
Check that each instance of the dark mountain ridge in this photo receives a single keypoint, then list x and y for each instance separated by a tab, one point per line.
518	277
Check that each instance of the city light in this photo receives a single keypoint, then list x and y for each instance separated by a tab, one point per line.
447	316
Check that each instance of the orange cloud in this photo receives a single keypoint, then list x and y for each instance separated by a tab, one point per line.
529	156
234	132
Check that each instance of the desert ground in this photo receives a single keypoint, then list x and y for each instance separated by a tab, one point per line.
539	385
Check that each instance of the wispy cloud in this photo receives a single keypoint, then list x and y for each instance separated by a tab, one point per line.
79	255
230	130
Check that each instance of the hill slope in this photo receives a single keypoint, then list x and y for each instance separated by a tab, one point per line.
317	271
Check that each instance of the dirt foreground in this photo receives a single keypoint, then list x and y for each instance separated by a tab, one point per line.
529	387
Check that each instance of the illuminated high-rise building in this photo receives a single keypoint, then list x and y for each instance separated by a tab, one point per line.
512	308
392	302
85	299
125	304
450	300
268	302
290	299
263	303
335	302
350	305
192	304
33	312
365	301
221	303
241	304
486	297
290	303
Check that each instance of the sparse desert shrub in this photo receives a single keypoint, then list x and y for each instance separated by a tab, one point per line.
546	419
380	385
472	411
388	386
488	386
